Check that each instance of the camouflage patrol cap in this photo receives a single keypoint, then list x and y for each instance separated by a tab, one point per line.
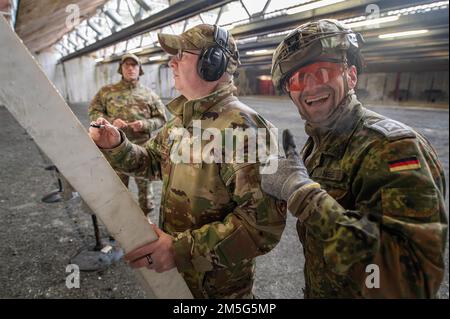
198	38
133	57
311	42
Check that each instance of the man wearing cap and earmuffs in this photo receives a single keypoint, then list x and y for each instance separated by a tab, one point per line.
214	218
134	109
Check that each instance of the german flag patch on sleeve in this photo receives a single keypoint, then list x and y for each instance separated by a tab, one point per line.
404	164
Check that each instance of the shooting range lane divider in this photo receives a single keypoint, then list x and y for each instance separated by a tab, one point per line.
35	103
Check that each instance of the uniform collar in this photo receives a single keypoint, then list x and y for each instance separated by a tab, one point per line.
128	85
193	109
334	138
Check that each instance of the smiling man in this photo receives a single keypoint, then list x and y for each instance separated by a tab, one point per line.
214	217
368	191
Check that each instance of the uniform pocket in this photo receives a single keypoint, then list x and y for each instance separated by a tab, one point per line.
334	181
235	248
329	174
230	282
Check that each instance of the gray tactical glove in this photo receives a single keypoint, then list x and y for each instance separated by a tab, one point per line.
291	173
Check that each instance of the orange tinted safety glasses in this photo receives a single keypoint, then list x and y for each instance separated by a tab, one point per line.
320	72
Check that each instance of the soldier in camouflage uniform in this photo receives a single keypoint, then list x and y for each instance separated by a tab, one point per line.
136	110
214	217
368	191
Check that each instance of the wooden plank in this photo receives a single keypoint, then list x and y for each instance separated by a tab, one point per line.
42	23
35	103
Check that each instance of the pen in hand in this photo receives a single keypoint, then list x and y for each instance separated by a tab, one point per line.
97	125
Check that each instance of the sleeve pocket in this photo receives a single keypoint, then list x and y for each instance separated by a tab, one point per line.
410	202
235	248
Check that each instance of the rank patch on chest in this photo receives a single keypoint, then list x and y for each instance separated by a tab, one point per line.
404	164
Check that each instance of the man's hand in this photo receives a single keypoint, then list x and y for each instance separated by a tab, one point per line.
136	126
105	137
291	173
158	255
119	123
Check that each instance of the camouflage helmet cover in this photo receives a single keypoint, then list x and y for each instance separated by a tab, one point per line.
133	57
311	41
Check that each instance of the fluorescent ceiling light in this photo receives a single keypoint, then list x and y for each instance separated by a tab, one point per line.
420	8
372	22
312	6
265	77
135	50
259	52
156	58
270	35
247	40
402	34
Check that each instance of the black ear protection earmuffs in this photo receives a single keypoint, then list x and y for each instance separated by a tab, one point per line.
213	61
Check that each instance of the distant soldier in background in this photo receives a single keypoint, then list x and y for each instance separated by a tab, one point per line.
134	109
368	191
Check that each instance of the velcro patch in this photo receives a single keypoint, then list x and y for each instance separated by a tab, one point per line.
404	164
392	129
330	174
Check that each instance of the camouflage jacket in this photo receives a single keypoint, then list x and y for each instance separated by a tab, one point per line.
129	102
217	212
381	203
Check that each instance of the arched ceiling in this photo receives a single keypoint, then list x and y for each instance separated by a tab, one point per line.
43	22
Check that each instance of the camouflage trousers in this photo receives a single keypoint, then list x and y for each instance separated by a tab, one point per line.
145	192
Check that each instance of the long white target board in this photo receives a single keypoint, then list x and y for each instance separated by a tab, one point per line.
35	103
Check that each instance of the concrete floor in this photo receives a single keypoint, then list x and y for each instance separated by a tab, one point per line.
37	239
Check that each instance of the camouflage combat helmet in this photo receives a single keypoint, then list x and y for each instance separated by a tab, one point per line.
133	57
308	42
